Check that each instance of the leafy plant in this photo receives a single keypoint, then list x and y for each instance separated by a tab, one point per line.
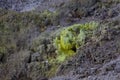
72	38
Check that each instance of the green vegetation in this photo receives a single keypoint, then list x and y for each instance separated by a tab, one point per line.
14	26
72	38
66	43
27	19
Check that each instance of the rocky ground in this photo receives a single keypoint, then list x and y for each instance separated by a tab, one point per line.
27	30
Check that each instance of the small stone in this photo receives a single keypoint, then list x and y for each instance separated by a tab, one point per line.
117	67
69	15
34	56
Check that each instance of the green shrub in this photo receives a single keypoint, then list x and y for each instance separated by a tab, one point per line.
2	50
15	27
72	38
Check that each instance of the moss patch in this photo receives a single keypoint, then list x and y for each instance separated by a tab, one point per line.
72	38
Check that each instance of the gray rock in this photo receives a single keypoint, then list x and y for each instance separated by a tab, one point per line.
19	5
35	57
117	67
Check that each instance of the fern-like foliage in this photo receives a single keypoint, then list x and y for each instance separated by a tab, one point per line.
72	38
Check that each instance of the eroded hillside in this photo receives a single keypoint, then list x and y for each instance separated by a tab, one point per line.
55	40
